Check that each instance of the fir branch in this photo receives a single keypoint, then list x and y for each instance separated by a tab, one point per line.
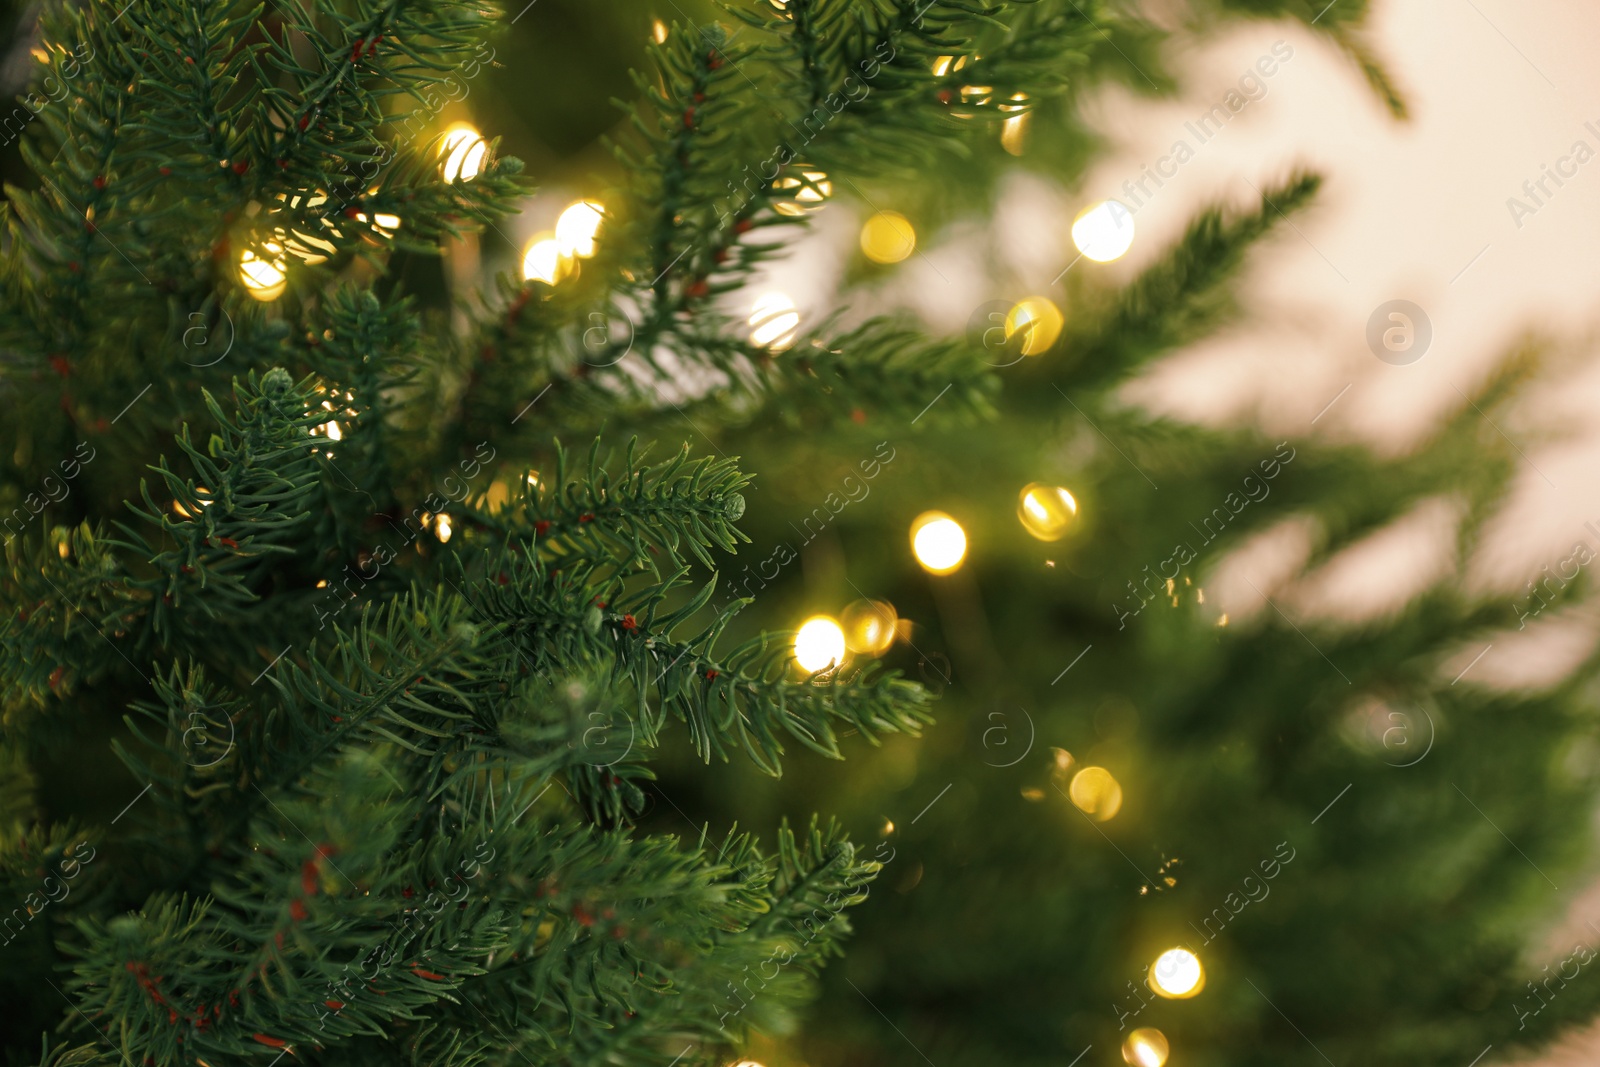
1177	299
639	518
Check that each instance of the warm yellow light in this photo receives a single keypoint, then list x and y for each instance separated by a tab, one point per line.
202	494
544	261
331	431
810	189
461	151
305	247
1103	231
1096	793
576	227
1046	511
869	626
1177	974
1014	129
819	645
658	31
887	237
773	321
265	273
441	527
1034	323
938	542
1145	1047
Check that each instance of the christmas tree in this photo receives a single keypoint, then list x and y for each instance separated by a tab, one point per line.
367	636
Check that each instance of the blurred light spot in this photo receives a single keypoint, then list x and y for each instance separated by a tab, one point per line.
938	542
577	226
1046	511
1145	1047
888	237
773	321
1096	793
461	151
1103	231
1036	322
1177	974
819	645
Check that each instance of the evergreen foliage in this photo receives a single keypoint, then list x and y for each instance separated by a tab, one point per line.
390	676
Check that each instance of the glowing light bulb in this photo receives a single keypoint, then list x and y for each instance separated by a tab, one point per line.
577	226
1046	511
819	645
1145	1047
869	626
938	542
1033	324
658	31
1096	793
461	152
773	321
1177	974
1103	231
811	189
887	237
544	260
441	527
305	247
265	273
1014	129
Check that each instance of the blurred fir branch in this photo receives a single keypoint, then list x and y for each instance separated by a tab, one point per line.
420	829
